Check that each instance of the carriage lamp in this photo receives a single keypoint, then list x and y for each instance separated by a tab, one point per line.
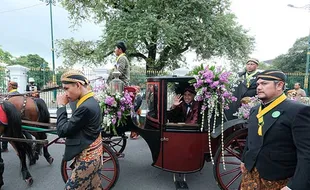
116	85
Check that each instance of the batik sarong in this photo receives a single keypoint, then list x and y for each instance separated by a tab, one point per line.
87	168
252	181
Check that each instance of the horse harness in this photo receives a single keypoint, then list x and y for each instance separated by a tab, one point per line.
22	111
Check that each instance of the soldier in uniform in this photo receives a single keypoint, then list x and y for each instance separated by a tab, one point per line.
277	153
82	132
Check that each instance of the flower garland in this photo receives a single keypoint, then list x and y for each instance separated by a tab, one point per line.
115	108
214	88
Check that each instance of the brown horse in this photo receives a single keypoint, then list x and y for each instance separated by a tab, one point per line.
34	109
10	126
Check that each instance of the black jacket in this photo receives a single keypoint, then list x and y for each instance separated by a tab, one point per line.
248	91
81	129
283	151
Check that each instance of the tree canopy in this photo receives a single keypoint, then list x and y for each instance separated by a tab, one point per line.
158	32
31	61
295	59
5	56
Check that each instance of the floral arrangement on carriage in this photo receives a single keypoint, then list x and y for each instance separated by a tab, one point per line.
214	87
115	108
246	104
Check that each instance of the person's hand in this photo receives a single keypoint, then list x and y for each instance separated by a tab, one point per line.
62	99
177	100
242	167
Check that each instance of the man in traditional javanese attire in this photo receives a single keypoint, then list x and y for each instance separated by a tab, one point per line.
82	132
276	155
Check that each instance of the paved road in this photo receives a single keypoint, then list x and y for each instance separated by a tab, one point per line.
136	172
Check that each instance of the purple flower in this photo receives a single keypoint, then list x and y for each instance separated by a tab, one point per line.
209	81
114	120
226	94
119	114
122	108
233	98
203	107
198	84
208	75
224	77
109	100
215	84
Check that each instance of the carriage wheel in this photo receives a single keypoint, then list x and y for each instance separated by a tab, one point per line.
109	174
233	148
117	143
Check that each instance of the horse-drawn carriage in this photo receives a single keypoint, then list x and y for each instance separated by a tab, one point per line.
176	147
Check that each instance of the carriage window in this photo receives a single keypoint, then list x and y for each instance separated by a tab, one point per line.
151	99
182	109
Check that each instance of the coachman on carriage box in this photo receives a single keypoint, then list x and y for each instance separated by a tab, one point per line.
246	88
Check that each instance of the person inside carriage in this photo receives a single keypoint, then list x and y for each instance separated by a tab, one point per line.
137	109
184	108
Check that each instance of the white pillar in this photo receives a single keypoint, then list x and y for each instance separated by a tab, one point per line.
18	74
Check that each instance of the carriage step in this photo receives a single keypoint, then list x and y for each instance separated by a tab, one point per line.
180	181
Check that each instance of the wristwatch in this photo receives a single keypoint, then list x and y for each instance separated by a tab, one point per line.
60	106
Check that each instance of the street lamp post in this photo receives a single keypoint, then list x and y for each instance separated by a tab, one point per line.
307	7
51	3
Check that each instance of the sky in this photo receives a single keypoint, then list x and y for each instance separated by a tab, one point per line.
25	26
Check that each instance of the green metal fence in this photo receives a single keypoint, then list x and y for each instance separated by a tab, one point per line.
293	78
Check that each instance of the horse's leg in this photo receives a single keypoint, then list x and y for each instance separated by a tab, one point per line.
24	170
46	154
1	171
37	147
35	158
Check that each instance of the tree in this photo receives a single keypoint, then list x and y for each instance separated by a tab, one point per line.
5	56
31	61
39	69
158	32
295	59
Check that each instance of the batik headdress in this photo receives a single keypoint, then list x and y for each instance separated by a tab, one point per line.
74	76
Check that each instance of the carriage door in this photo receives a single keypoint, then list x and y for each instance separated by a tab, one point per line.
182	143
